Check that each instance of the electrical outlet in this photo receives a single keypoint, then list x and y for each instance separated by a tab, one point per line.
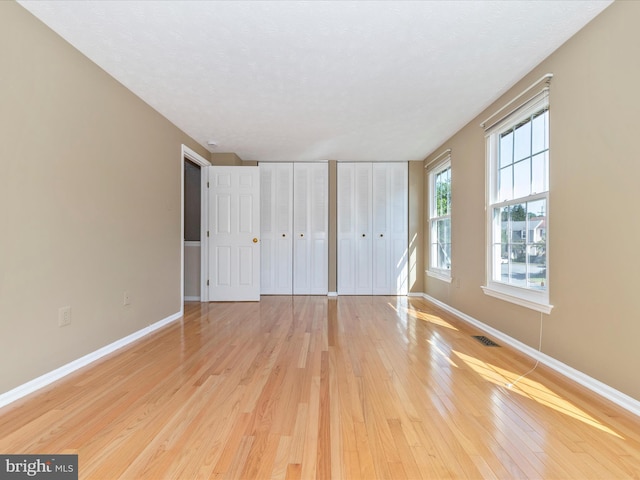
126	299
64	316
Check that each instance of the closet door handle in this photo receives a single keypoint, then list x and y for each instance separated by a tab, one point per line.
363	235
284	235
302	234
381	235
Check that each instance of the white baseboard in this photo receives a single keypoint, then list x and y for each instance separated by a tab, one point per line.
48	378
192	299
414	294
332	294
596	386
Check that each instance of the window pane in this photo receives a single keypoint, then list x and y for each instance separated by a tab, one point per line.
517	232
434	255
518	212
443	192
505	182
501	252
504	225
522	147
522	178
539	173
506	149
537	271
444	232
446	249
441	248
518	266
540	140
537	209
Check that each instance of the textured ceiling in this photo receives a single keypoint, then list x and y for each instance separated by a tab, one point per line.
318	80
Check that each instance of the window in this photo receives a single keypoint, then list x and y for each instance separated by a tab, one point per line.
518	206
440	221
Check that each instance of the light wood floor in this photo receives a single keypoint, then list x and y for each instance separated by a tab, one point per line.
311	387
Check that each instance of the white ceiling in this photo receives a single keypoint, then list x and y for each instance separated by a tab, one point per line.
293	80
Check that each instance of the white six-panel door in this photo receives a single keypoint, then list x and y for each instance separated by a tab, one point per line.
310	228
372	228
234	233
276	217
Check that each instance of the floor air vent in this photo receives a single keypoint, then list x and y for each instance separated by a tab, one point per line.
487	342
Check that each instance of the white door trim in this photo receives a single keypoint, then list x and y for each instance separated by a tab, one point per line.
191	155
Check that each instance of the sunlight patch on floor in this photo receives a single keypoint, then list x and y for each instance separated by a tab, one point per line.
444	355
531	389
426	317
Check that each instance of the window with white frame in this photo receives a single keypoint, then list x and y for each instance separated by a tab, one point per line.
518	205
440	220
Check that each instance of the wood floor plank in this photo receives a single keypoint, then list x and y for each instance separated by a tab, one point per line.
322	388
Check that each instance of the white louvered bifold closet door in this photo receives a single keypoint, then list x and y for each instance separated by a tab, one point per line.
295	228
276	215
310	228
354	229
390	228
372	228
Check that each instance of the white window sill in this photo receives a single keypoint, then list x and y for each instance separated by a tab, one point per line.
524	299
445	277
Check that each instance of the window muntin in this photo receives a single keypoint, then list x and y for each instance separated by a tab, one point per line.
523	158
518	206
440	220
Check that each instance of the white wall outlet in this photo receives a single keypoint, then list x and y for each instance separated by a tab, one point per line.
126	299
64	316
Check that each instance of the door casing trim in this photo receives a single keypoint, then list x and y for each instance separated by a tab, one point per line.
189	154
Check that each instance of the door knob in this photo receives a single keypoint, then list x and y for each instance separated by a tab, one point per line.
363	235
302	234
381	235
284	235
255	240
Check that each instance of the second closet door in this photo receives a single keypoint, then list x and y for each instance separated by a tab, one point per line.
294	228
310	228
390	228
354	229
372	228
276	223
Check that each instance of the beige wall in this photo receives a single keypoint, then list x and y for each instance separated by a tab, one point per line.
192	261
89	204
593	223
416	214
226	159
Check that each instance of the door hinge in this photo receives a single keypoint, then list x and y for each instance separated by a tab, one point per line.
207	283
207	233
207	184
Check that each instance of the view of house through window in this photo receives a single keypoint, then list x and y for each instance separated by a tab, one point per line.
440	220
521	209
